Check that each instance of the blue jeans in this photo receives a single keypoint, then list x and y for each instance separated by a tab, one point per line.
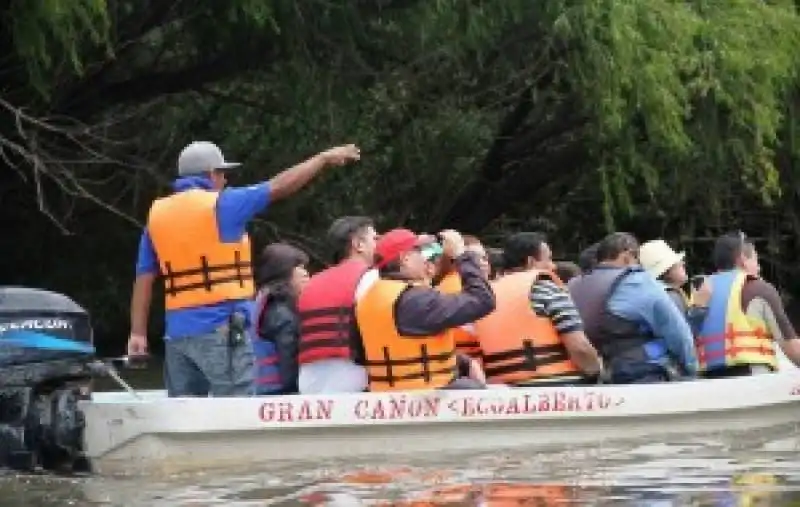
623	372
208	365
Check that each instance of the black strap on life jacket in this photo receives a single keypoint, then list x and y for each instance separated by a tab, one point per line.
335	331
619	336
424	360
532	358
171	277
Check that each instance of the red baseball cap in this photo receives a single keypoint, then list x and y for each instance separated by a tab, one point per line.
395	243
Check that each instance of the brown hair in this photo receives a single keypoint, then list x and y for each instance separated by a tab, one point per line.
615	244
277	261
566	270
341	234
496	262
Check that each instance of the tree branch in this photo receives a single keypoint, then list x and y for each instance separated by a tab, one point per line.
47	149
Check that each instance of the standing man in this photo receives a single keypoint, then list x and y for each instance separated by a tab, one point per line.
196	240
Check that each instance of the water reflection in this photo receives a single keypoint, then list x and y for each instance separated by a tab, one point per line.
743	490
705	473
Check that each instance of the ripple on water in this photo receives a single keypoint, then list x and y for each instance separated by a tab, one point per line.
701	472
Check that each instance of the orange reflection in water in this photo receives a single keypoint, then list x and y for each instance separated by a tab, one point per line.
497	494
745	490
392	475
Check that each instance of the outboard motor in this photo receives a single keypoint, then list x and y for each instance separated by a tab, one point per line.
46	352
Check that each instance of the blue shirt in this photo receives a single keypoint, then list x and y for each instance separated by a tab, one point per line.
641	298
235	208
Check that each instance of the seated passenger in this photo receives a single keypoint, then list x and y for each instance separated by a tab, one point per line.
330	347
406	326
474	245
432	253
281	276
745	316
495	263
566	271
450	283
535	335
630	319
667	266
587	260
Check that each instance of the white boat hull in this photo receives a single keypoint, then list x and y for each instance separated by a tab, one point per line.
158	435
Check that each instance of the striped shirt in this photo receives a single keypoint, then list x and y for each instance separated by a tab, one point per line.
554	302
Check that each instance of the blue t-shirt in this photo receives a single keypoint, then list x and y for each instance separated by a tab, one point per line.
235	208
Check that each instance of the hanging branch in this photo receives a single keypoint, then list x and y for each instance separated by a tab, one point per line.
71	155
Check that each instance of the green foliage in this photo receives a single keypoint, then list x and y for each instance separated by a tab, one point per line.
639	109
51	36
696	85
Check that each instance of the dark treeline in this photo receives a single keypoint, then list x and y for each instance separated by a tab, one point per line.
664	118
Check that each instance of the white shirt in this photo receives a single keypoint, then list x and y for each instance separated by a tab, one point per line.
338	375
367	280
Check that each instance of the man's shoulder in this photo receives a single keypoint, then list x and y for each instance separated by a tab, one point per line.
759	288
641	288
419	290
402	289
754	282
545	286
368	280
244	192
640	278
421	296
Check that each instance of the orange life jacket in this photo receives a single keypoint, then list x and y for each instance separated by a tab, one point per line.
519	347
395	362
466	341
198	269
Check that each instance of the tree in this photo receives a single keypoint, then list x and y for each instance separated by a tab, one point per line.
479	114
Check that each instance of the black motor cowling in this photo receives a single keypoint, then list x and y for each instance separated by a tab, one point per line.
46	352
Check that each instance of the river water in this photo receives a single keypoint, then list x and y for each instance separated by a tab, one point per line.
723	472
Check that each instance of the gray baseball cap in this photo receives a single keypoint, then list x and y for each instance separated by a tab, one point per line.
201	157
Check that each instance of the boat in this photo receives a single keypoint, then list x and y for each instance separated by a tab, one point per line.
154	434
51	419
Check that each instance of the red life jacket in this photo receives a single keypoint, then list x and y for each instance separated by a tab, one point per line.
326	308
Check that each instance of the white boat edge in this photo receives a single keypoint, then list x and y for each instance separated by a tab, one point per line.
160	435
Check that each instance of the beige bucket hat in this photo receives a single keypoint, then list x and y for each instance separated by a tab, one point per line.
657	257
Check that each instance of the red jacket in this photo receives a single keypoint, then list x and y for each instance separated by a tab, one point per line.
326	308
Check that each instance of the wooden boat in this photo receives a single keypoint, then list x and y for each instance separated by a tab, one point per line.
157	435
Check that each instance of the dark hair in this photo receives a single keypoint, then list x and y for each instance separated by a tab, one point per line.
729	247
518	247
341	234
275	266
587	260
566	270
615	244
390	270
495	262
